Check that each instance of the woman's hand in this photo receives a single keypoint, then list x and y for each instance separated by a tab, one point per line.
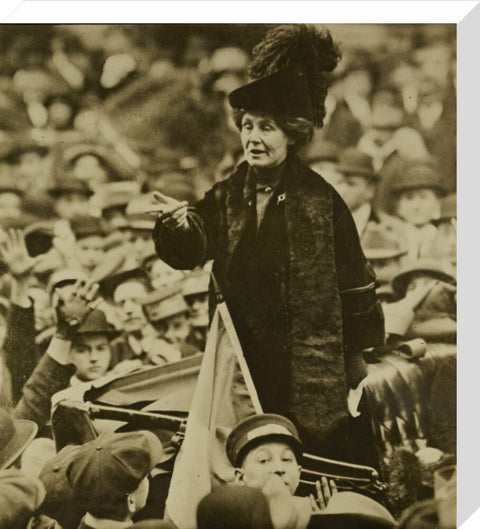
172	213
325	490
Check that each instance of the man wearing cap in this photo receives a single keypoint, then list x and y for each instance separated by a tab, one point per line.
138	231
89	242
167	312
71	198
109	477
195	292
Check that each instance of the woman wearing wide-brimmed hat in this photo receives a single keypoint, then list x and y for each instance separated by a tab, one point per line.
286	251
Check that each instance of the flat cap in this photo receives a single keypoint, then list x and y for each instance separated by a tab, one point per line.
261	428
165	302
106	470
418	175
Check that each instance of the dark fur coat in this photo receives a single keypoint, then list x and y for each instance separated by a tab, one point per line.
330	308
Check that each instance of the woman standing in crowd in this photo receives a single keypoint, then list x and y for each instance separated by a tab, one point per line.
285	248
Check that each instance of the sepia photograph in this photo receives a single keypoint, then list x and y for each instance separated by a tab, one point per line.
228	276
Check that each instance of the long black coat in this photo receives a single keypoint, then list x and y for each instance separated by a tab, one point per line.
301	294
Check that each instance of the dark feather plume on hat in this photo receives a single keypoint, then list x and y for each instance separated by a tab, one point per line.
299	44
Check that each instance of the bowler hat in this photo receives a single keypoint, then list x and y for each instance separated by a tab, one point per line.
234	507
70	186
418	175
426	266
86	226
354	162
104	471
96	323
165	302
284	92
352	510
110	283
258	429
15	436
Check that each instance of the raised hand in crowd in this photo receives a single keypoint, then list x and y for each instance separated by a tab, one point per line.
14	254
171	212
74	307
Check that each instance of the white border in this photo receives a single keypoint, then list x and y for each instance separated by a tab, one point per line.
38	11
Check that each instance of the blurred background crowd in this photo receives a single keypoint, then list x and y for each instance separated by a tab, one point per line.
94	118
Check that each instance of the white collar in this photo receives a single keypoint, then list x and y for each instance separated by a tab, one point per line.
102	523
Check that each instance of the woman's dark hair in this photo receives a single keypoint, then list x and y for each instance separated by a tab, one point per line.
300	130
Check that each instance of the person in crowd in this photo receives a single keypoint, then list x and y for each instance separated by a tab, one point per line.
109	477
195	292
138	231
89	242
71	198
266	452
444	245
161	274
417	193
112	199
11	201
167	313
322	157
272	203
427	303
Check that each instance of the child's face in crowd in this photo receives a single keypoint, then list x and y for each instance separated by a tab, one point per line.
89	251
126	297
198	309
162	274
91	355
141	243
70	205
418	206
267	459
89	169
174	329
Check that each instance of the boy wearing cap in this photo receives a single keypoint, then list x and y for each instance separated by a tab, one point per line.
167	312
89	242
71	198
109	477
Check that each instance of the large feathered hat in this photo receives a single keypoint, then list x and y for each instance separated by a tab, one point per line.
290	70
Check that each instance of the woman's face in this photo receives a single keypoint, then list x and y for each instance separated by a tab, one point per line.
264	143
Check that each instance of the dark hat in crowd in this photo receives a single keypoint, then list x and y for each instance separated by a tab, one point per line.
165	302
69	186
63	277
258	429
283	92
381	243
96	323
424	266
352	510
353	162
448	209
59	502
419	175
110	284
15	436
234	507
15	149
104	471
20	497
86	226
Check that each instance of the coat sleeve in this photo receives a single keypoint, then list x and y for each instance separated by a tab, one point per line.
19	347
363	321
48	377
187	249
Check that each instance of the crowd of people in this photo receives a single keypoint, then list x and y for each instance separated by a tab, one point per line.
108	137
